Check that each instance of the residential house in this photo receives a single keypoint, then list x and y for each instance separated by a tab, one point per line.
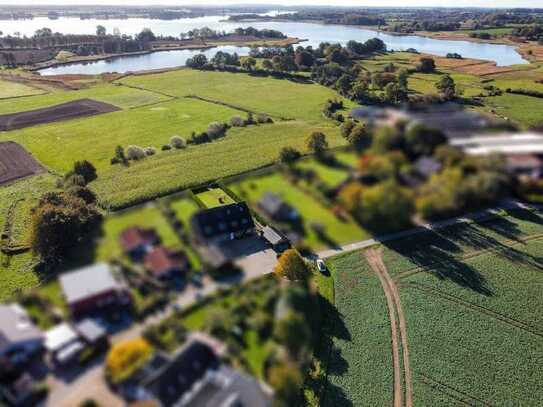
275	208
222	223
163	263
92	333
195	377
525	165
137	241
92	288
19	337
63	344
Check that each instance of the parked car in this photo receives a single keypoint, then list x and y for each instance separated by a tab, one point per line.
321	266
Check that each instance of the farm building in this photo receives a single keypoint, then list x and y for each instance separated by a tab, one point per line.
275	208
162	262
92	288
137	241
19	337
222	223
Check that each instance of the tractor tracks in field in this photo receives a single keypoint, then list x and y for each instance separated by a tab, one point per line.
397	327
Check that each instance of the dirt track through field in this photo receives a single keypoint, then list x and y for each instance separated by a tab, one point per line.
374	258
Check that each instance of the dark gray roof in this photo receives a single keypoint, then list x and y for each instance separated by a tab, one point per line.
171	382
88	282
16	326
90	330
222	220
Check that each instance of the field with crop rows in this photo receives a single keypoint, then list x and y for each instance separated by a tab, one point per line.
471	298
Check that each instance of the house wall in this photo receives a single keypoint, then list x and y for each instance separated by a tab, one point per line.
93	303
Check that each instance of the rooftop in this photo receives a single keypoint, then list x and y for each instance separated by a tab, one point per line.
88	282
90	330
59	336
15	325
135	237
161	260
222	220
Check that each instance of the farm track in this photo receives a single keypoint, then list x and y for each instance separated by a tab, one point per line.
534	330
457	395
156	92
511	243
375	260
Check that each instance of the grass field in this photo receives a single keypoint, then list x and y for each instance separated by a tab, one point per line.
471	296
120	96
213	197
337	232
95	138
279	98
519	108
10	89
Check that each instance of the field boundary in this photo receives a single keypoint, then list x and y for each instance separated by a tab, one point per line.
525	326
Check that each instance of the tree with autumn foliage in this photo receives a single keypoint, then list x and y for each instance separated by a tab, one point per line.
292	266
125	358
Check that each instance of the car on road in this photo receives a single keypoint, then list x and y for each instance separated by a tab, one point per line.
321	266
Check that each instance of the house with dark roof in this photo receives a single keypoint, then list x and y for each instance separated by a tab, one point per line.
222	223
275	208
164	263
19	337
137	241
195	377
275	239
92	288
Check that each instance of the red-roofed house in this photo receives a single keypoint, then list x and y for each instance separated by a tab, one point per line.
137	241
165	263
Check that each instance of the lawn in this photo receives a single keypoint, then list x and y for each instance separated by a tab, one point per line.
471	297
10	89
184	208
331	175
338	232
277	97
148	216
120	96
17	273
58	145
213	197
241	150
524	110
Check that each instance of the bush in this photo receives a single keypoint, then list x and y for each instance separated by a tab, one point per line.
289	155
150	151
292	266
178	142
237	121
216	130
135	153
125	358
263	118
86	170
166	147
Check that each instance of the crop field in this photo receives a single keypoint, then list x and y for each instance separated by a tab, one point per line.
277	97
119	96
338	232
472	304
243	149
9	89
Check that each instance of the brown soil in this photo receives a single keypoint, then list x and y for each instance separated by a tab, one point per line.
64	111
374	259
16	163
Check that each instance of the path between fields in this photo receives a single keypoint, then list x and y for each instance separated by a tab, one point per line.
374	258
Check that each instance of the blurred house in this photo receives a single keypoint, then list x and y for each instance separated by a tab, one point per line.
525	165
501	143
137	241
196	377
92	333
275	239
275	208
63	344
19	337
165	263
92	288
21	392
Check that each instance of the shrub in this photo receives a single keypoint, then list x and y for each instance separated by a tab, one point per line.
237	121
289	155
292	266
216	130
150	151
125	358
263	118
166	147
86	170
178	142
135	153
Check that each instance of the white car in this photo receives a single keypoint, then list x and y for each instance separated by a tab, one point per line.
321	266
